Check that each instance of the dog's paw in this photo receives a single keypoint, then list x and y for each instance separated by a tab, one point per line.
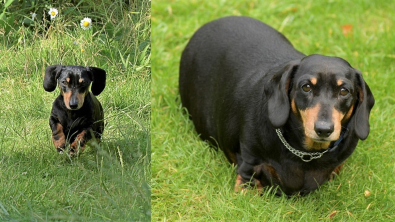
242	186
239	186
60	150
73	151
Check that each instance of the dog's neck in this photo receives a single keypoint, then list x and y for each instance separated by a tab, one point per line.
308	156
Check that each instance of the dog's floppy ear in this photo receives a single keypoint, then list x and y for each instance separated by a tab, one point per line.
51	75
276	91
98	77
365	104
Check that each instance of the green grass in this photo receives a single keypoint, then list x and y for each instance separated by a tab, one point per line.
107	182
191	182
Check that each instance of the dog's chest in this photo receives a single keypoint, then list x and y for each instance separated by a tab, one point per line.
295	178
74	120
309	180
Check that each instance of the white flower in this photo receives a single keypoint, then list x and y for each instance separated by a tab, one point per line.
33	15
86	23
53	12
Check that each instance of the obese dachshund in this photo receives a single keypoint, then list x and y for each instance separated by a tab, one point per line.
286	119
76	116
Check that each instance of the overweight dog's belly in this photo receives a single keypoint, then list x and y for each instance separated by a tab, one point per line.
291	178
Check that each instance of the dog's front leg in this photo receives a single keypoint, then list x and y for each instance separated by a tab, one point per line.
79	143
246	176
58	137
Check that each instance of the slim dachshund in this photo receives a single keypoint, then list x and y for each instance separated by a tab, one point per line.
76	116
286	119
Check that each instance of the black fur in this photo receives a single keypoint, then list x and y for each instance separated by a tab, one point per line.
238	80
77	110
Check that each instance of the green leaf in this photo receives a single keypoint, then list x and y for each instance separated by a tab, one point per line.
2	16
8	3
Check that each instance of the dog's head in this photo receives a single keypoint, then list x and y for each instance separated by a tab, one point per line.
324	93
74	82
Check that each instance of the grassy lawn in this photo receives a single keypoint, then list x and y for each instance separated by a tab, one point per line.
191	182
110	181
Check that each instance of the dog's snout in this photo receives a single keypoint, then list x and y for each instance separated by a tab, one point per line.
323	129
73	103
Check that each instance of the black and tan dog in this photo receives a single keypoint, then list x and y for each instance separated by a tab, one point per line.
286	119
76	116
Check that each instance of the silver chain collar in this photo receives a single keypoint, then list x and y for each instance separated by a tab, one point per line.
299	153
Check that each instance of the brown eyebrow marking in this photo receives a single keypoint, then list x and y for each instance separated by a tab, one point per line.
313	81
309	116
66	98
68	79
339	82
81	80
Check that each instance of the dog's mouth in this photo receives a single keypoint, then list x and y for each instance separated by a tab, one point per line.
330	139
321	141
317	143
73	107
77	108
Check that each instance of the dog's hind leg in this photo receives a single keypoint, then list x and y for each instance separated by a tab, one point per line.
336	171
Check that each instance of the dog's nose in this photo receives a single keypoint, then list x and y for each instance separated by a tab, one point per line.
73	103
323	129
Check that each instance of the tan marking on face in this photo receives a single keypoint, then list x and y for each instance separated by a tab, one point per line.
348	115
293	107
66	99
339	82
309	117
81	98
61	137
337	116
67	80
81	80
313	81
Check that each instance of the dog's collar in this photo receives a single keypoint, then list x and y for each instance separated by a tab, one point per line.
305	156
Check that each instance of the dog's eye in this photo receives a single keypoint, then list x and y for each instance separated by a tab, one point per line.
306	87
344	91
